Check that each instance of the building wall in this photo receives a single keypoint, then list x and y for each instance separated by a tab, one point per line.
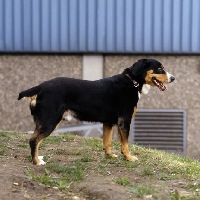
100	26
19	72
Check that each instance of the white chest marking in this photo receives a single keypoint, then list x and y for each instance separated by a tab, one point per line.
145	88
138	95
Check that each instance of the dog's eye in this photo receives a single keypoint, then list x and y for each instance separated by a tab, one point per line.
160	69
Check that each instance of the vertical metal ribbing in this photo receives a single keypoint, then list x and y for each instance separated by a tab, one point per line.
104	32
153	28
181	21
95	26
31	33
172	19
143	41
59	25
40	8
106	23
2	26
162	26
190	48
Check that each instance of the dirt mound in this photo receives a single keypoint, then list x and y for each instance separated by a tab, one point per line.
77	169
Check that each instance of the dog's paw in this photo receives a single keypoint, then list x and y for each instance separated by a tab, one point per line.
41	161
112	155
131	158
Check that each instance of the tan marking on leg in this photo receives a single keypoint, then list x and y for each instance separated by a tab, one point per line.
134	112
33	100
34	145
107	139
124	145
35	141
37	160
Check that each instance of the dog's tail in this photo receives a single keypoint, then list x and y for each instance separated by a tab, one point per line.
30	92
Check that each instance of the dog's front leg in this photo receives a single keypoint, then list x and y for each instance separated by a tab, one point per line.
107	139
123	131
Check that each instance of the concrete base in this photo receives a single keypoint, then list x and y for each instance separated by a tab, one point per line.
92	67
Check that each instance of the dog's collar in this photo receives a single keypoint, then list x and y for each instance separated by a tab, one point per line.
135	83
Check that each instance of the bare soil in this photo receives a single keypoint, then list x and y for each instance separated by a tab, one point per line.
16	184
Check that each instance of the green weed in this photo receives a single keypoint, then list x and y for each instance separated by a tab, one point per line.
47	179
3	152
87	158
23	146
52	140
122	181
148	172
175	195
75	153
95	143
68	137
4	134
140	190
73	173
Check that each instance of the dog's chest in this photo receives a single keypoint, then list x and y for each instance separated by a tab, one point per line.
139	95
145	88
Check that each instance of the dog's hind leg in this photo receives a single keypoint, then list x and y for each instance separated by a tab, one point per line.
36	139
34	143
107	139
123	131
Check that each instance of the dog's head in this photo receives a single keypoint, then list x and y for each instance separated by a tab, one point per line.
152	73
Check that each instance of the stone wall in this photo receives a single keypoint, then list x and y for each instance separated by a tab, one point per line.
19	72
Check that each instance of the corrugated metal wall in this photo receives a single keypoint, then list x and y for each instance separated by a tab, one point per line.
100	26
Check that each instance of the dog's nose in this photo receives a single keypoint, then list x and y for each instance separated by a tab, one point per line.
172	78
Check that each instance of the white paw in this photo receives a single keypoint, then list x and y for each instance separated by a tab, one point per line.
40	158
114	155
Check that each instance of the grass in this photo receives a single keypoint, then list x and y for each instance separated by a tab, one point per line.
94	143
73	173
141	190
123	181
58	175
137	189
72	159
47	179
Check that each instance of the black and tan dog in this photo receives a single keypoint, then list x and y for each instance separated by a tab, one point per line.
111	101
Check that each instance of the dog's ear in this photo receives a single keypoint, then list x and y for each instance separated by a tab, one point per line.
138	67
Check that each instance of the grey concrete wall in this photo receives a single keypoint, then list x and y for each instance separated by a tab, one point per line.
19	72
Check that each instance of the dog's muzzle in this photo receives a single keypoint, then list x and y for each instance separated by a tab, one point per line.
171	79
160	84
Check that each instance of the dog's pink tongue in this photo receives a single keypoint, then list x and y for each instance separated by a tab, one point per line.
163	87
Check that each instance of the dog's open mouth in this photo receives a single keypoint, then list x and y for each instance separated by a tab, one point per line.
159	84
